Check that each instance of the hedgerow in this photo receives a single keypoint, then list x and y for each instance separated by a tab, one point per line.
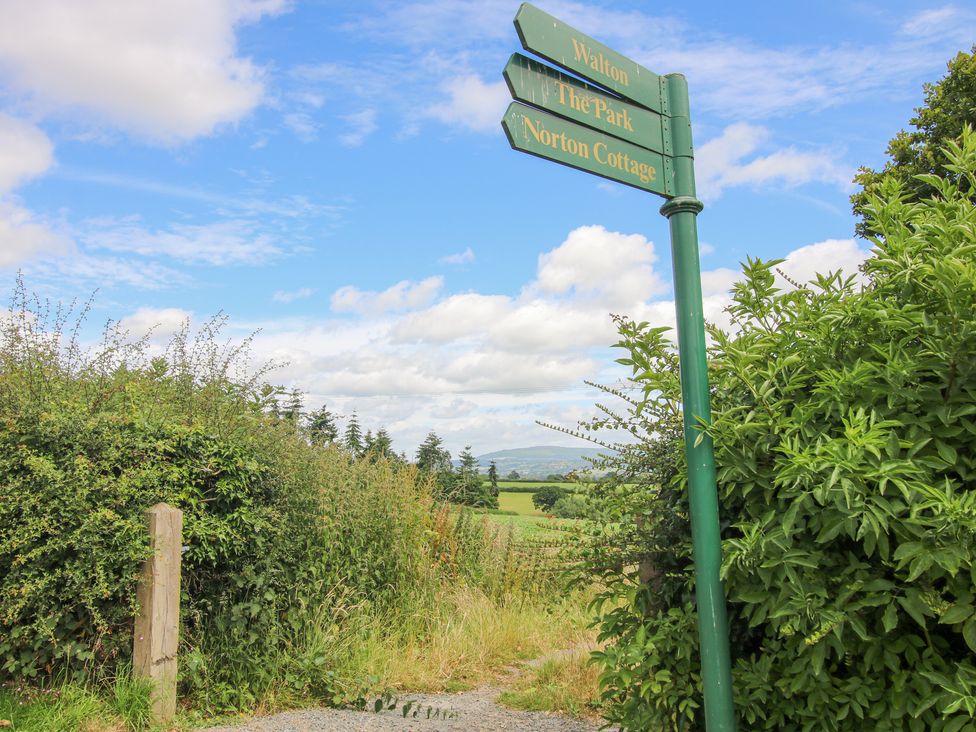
844	423
278	532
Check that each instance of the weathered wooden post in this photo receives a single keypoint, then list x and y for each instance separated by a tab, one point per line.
158	623
646	572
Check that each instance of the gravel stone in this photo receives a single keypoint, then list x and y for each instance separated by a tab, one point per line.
470	711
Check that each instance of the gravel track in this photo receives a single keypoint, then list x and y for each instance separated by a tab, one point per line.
470	711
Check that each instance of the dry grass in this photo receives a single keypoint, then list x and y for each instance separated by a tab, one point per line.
567	684
470	638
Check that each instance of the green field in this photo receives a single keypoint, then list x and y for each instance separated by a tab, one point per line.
531	485
519	502
529	527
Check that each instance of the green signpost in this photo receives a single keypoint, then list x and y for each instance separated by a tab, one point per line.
544	87
660	159
548	136
555	41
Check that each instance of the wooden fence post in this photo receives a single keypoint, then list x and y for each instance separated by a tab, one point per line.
158	623
646	571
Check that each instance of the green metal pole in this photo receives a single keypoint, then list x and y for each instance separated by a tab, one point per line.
682	212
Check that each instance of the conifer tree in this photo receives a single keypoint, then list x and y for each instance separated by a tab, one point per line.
353	439
322	429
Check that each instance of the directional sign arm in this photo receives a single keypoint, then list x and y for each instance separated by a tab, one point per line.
554	138
552	39
541	86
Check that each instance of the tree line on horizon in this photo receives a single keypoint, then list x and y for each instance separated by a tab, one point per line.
464	484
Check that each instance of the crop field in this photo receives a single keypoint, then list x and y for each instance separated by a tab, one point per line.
530	527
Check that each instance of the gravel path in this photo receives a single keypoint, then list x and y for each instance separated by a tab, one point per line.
467	711
470	711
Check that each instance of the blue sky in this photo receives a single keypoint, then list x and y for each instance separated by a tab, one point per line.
334	175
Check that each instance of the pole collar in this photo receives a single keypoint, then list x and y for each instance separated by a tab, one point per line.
682	204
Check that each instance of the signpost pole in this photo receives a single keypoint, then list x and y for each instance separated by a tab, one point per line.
682	212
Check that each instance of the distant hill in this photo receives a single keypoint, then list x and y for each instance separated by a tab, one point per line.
539	462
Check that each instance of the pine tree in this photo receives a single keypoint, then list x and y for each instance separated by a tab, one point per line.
322	429
383	445
470	488
434	460
431	455
493	478
292	410
353	439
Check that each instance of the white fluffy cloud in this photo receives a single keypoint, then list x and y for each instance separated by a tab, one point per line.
402	295
465	257
362	124
617	268
287	296
473	104
23	237
168	71
456	317
25	152
482	368
159	323
805	263
731	160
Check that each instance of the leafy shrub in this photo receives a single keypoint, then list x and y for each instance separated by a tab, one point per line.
545	498
844	427
272	525
570	507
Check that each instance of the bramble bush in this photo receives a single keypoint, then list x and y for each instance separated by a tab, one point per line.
844	423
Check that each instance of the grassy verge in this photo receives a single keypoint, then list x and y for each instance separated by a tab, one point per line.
122	706
565	685
467	641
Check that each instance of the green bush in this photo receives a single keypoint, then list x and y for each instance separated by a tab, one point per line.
570	507
545	498
272	525
844	429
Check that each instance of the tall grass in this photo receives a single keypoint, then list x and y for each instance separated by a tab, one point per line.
120	704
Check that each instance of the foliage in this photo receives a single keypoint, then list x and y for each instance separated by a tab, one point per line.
844	420
272	524
950	104
122	703
293	547
352	439
545	498
380	446
493	478
561	685
571	506
321	427
469	488
433	462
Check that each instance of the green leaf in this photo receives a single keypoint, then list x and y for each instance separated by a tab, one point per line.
969	634
914	606
890	618
956	614
946	452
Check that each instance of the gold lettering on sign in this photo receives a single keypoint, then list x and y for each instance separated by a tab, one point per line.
599	63
590	104
557	140
622	161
